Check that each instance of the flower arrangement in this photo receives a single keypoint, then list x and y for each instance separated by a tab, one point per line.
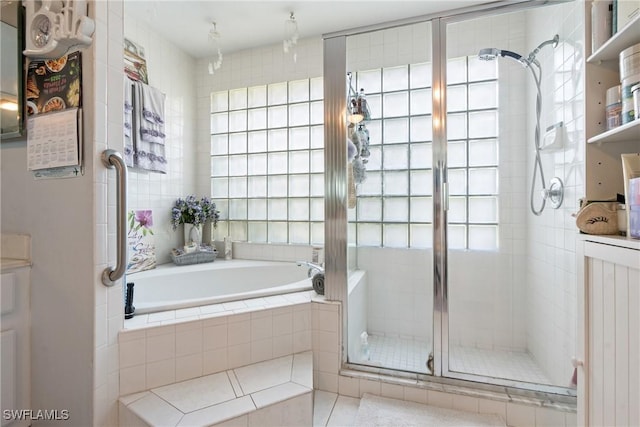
193	211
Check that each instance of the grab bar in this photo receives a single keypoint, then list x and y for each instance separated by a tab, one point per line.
112	158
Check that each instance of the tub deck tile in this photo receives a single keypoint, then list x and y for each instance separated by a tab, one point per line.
212	399
169	317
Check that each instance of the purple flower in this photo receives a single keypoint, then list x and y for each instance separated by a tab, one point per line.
194	211
144	218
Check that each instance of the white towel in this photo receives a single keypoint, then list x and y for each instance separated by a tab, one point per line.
129	148
153	113
147	132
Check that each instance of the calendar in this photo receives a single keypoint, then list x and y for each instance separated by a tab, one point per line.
54	140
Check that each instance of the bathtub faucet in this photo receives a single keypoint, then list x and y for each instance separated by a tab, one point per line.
312	267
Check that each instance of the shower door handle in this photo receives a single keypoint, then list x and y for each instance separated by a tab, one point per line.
110	159
445	196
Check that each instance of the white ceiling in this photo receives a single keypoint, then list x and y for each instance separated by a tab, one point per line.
245	24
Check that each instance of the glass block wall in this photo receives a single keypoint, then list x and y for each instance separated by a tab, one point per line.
394	206
267	159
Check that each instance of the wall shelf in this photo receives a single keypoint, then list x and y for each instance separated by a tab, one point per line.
625	132
610	50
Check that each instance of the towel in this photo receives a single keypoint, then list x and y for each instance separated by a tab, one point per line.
128	122
351	198
144	127
150	150
152	127
318	283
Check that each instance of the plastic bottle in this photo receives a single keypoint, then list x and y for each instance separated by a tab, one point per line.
362	106
601	23
228	248
365	353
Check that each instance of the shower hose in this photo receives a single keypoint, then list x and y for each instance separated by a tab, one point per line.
537	166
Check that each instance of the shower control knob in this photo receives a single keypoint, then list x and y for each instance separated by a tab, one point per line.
555	193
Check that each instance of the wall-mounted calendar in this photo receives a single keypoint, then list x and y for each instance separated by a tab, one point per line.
54	140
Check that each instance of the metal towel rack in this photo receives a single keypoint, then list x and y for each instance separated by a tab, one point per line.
112	158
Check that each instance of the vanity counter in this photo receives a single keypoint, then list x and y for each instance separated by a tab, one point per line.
15	251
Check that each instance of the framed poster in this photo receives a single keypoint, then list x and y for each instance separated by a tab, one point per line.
142	248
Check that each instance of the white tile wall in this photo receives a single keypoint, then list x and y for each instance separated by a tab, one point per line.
153	356
173	72
551	265
104	66
400	296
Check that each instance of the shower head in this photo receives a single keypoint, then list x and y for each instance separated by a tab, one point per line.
488	53
491	53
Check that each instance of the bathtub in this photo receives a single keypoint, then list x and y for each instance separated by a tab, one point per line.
171	287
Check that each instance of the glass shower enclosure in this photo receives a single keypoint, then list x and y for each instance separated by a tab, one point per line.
438	201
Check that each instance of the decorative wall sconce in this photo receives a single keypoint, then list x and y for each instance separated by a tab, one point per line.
214	38
291	36
54	27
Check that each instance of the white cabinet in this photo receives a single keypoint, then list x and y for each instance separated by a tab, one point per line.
15	333
608	331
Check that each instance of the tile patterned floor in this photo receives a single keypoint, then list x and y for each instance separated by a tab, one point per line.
399	353
411	355
513	365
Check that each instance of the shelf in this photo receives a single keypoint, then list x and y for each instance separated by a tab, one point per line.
626	132
620	241
626	37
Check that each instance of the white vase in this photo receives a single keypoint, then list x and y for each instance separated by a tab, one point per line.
192	233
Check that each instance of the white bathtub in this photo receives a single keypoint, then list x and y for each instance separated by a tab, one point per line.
170	287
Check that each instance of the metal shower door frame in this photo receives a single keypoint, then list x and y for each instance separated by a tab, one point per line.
335	199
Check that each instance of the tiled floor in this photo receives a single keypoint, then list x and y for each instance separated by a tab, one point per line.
399	353
411	355
329	409
226	395
513	365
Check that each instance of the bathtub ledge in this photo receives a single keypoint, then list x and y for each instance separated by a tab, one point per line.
169	317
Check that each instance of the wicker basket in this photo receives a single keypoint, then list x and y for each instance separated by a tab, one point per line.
202	255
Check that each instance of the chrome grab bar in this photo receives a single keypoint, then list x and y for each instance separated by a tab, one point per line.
112	158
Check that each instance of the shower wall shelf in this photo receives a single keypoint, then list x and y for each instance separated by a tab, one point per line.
627	36
625	132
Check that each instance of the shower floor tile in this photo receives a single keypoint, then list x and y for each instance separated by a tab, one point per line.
513	365
411	355
399	353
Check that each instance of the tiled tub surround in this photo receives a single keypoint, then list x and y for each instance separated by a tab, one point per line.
182	348
153	357
274	392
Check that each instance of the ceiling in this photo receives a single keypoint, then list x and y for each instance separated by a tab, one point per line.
246	24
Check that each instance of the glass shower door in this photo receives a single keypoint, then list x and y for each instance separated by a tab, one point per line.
493	317
390	318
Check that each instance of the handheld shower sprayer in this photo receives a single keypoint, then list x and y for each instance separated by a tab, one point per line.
491	53
556	190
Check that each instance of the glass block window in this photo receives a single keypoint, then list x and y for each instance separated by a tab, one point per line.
267	159
395	203
267	162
